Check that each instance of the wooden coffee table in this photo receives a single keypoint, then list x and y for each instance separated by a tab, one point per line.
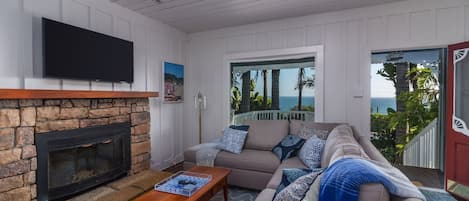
219	181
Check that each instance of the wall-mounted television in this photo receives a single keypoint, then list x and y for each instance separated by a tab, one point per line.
71	52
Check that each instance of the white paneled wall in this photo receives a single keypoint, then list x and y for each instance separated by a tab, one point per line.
348	38
20	55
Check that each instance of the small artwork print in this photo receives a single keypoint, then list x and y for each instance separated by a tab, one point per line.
173	82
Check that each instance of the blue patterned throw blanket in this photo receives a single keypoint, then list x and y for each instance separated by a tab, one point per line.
341	181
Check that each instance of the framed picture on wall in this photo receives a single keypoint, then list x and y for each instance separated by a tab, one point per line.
173	86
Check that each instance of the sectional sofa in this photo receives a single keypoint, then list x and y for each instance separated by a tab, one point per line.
258	168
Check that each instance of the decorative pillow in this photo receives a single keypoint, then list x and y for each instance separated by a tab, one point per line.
313	192
296	191
289	175
307	133
288	147
310	153
232	140
240	127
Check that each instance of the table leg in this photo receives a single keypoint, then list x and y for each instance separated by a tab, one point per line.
225	192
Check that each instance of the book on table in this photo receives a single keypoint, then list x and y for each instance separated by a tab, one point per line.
183	183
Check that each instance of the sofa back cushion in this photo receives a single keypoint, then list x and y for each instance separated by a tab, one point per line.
265	134
306	128
340	143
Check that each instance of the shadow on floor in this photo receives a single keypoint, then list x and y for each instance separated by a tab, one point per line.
423	176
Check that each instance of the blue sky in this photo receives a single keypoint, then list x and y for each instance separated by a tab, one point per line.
380	87
174	69
288	81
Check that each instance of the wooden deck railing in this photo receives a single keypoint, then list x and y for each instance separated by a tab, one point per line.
273	115
423	149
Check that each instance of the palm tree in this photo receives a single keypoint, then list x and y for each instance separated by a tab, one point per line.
397	73
264	100
299	86
263	73
275	89
303	81
402	86
246	92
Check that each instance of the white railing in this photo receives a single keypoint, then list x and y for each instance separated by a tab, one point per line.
423	149
273	115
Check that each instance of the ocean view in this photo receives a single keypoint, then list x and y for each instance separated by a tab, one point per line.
288	102
378	105
381	105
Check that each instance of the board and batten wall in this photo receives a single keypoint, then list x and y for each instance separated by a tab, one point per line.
154	42
348	37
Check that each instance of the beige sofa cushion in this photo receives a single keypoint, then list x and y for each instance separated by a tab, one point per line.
373	191
340	143
294	162
296	126
265	134
348	150
248	159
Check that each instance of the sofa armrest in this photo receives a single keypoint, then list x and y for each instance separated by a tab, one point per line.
190	153
371	150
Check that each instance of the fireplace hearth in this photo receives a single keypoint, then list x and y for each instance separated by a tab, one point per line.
72	161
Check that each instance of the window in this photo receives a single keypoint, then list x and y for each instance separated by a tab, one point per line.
267	90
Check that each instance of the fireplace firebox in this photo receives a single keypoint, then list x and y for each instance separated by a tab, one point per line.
72	161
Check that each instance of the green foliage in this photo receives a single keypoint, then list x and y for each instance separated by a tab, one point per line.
421	104
383	136
235	98
421	108
256	103
255	99
309	108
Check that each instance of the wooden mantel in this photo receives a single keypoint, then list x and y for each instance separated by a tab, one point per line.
72	94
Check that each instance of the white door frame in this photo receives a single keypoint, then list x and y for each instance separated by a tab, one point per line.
287	53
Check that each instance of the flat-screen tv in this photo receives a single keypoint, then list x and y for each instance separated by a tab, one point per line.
71	52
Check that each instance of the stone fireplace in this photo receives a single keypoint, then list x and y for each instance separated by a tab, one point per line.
26	123
72	161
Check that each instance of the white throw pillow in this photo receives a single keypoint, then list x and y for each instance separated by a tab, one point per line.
233	140
310	153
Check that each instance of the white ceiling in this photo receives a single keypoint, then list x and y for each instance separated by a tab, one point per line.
200	15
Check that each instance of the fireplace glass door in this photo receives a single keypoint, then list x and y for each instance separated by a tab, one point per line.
82	162
73	161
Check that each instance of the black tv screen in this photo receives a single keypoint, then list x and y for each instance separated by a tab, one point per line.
71	52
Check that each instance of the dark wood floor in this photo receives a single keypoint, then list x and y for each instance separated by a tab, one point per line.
426	177
175	168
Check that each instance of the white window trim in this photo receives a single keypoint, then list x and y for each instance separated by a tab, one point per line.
316	51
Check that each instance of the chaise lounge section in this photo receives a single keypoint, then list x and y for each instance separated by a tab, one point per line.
257	167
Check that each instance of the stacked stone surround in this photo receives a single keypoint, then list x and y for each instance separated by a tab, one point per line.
21	120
